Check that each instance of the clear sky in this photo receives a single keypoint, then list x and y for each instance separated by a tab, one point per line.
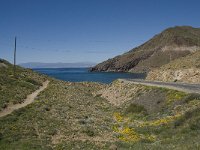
86	30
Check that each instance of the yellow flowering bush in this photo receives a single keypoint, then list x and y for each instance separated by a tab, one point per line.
151	138
118	117
162	121
174	95
128	134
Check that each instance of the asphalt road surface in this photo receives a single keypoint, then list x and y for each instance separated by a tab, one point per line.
185	87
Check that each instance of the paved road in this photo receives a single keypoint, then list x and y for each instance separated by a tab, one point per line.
185	87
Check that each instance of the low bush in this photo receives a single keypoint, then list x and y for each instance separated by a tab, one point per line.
190	115
134	108
33	82
89	132
192	96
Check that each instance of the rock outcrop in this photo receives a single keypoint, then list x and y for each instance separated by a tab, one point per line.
191	75
186	69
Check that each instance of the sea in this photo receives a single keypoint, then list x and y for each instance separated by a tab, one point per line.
83	74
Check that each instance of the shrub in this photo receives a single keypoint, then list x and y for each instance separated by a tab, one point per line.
190	115
89	132
192	96
33	82
195	125
134	108
1	136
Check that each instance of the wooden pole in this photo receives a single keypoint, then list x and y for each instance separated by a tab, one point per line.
15	51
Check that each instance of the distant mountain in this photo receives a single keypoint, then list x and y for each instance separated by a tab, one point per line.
57	65
169	45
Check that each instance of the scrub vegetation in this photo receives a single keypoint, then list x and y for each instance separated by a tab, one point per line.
14	89
79	116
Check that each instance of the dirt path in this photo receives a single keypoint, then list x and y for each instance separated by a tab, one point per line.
30	98
185	87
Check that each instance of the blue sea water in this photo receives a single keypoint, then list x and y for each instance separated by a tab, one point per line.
82	74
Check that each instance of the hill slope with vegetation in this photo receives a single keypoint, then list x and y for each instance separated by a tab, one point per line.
90	115
14	89
169	45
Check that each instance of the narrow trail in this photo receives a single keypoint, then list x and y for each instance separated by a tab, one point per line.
30	98
184	87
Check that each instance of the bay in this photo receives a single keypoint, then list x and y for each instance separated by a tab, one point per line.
83	74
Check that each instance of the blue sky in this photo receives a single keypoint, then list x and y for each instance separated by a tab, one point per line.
86	30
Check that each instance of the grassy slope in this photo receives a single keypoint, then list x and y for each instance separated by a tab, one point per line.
71	116
14	90
64	116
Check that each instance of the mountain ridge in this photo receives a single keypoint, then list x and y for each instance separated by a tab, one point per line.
172	43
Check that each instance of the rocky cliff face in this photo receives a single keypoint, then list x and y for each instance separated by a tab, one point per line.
186	69
171	44
191	75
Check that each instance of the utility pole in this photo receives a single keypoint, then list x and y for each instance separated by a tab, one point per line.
15	50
